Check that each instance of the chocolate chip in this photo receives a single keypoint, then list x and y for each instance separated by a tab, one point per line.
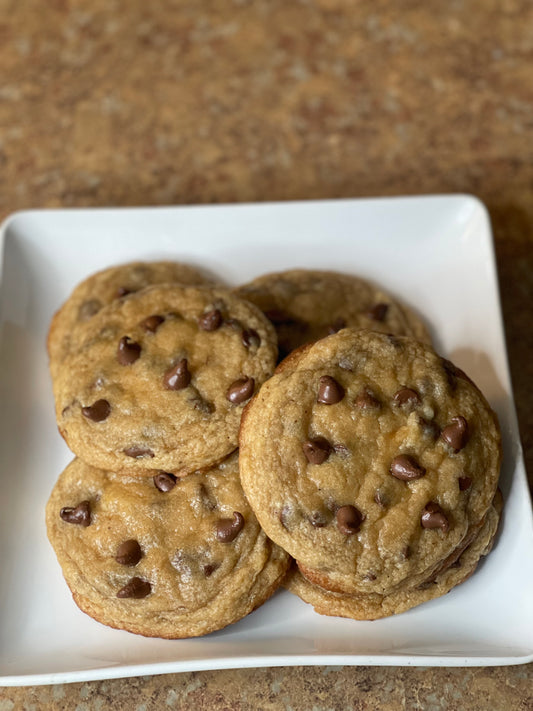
378	312
456	433
465	482
240	390
370	576
316	450
228	529
164	481
129	553
406	468
88	309
80	514
98	411
128	351
366	400
336	326
209	569
151	323
250	338
178	377
210	321
433	517
122	291
329	391
138	452
349	519
406	398
136	588
405	552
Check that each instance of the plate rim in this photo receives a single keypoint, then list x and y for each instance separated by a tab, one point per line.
278	660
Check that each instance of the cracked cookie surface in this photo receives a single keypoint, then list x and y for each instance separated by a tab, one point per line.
306	305
371	460
101	289
160	378
158	556
373	606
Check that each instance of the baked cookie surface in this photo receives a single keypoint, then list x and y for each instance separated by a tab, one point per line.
101	289
160	378
371	460
306	305
373	606
158	556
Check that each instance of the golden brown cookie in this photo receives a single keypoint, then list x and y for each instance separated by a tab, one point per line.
305	305
103	288
371	460
158	556
373	606
159	379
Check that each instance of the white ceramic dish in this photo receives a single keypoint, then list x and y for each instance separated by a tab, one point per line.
434	252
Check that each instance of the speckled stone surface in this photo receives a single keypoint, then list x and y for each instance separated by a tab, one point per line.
292	689
112	103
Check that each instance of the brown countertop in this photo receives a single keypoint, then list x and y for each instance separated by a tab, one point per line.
109	103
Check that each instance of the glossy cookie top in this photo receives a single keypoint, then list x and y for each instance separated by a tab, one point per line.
160	378
101	289
305	305
160	556
370	459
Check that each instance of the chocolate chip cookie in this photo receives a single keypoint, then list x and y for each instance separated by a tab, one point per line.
305	305
103	288
160	556
373	606
371	460
159	379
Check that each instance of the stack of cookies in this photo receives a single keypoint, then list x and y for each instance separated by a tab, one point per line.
365	456
151	370
370	459
374	463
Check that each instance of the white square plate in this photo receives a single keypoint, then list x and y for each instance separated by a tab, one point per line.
436	253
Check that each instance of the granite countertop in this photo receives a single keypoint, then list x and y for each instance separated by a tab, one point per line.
109	103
